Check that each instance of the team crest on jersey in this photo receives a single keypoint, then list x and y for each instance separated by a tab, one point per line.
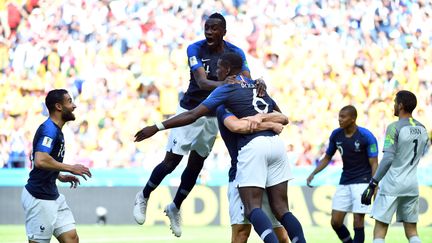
47	141
357	146
193	61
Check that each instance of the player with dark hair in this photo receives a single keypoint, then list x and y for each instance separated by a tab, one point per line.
405	142
46	211
262	160
230	127
359	150
198	138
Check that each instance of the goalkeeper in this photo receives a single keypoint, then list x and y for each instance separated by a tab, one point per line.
405	142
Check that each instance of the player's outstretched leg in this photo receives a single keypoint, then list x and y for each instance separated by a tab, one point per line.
173	214
189	177
169	163
140	207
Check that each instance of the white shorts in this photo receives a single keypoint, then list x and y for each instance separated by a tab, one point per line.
263	162
348	199
236	209
406	208
45	218
198	136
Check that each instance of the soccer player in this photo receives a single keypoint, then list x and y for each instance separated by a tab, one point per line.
240	226
262	160
46	211
359	150
197	138
405	142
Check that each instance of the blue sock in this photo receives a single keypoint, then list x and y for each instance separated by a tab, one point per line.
343	234
359	235
158	174
293	228
262	225
188	180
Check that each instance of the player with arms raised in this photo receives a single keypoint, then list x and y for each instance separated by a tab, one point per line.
405	142
197	138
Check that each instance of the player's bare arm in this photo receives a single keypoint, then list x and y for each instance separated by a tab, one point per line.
275	116
374	164
253	124
45	161
179	120
322	164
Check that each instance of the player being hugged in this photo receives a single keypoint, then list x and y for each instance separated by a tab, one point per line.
46	211
262	160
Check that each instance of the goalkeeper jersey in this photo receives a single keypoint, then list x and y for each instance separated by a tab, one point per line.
407	140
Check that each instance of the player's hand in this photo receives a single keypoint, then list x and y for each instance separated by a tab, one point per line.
261	87
309	180
367	195
145	133
277	127
73	180
80	170
254	121
232	80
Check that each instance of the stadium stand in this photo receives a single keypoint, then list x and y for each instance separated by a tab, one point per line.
125	64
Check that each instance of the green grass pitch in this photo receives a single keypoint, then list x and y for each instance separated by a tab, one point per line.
208	234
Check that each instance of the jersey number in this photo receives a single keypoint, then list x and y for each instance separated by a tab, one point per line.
257	99
61	151
415	141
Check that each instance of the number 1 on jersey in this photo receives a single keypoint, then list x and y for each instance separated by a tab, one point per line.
415	141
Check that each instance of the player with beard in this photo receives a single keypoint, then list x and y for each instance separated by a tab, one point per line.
46	211
406	141
198	138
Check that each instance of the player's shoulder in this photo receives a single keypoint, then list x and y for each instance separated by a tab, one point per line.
48	128
365	132
197	45
336	132
418	123
233	47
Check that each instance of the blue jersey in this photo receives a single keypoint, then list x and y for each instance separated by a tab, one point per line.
229	138
355	151
199	55
48	139
242	101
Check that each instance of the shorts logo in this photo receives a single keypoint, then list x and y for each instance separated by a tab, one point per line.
47	142
193	61
175	142
42	228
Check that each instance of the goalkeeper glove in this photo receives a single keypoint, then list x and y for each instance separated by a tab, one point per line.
369	192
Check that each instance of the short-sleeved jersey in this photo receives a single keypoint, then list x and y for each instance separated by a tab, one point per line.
355	151
48	139
229	138
242	101
407	140
199	55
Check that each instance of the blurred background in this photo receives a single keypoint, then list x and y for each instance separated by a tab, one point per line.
125	64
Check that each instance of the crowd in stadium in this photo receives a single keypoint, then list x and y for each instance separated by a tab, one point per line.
125	64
